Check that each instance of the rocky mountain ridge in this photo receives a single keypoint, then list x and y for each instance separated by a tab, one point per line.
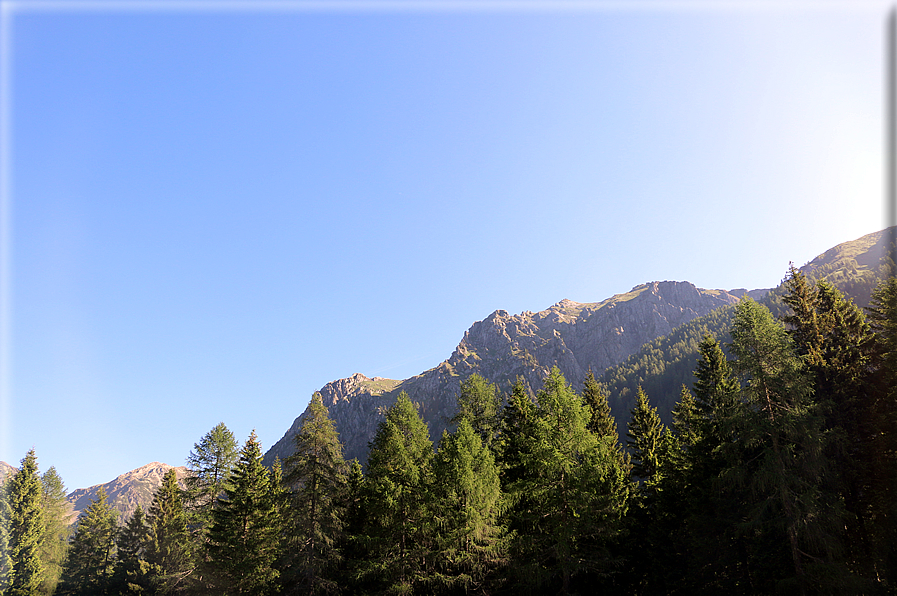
128	490
574	336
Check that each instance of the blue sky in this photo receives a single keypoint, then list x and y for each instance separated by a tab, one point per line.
212	212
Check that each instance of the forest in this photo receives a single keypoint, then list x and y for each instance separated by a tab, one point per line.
775	475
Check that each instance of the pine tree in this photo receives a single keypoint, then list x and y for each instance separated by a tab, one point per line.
478	403
245	536
89	566
56	528
26	528
132	571
398	481
467	503
168	552
316	476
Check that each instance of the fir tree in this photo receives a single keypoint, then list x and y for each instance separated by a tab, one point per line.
6	563
209	465
575	490
56	528
89	566
478	403
646	439
26	528
601	421
467	503
316	476
398	481
245	536
132	572
168	552
780	426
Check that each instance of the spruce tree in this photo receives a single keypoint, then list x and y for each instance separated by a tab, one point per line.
5	554
91	558
781	427
132	572
479	404
398	482
169	550
574	490
466	507
26	528
209	465
56	528
316	477
601	420
245	535
646	439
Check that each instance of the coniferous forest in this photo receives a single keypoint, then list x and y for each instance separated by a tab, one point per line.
775	475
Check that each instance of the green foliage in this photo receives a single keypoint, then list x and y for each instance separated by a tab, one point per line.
646	439
56	528
466	505
132	572
6	563
245	536
778	453
569	491
316	476
26	528
209	465
169	549
398	482
478	403
601	420
91	559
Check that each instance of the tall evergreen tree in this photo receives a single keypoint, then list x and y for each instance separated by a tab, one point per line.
5	553
169	550
209	465
781	427
398	481
316	476
132	571
479	404
646	439
245	536
575	490
89	566
26	528
596	396
56	528
466	508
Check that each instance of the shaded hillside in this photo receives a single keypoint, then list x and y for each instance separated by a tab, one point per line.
133	488
574	336
663	365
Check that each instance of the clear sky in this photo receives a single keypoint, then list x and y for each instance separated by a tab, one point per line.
212	210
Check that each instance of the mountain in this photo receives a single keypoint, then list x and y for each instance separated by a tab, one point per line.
574	336
6	470
626	335
133	488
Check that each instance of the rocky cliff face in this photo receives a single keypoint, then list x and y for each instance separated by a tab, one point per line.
6	470
133	488
574	336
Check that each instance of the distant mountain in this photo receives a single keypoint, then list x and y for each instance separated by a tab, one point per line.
574	336
606	336
6	470
133	488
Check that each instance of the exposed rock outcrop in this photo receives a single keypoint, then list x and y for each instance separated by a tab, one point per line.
133	488
574	336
